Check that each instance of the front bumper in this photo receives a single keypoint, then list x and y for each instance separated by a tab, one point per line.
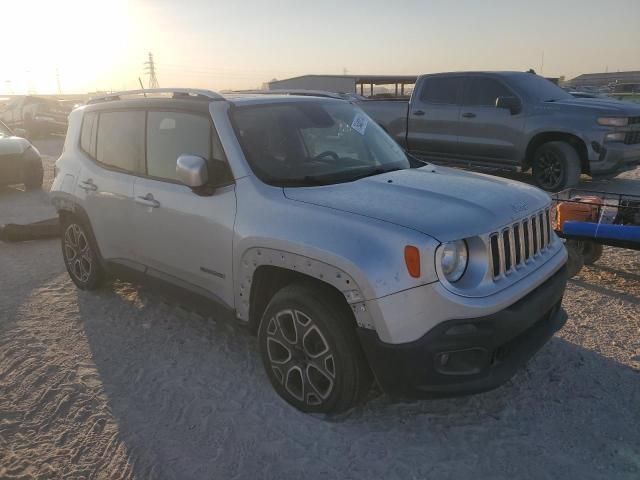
465	356
615	158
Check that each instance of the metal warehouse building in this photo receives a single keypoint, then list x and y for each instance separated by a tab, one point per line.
604	79
361	84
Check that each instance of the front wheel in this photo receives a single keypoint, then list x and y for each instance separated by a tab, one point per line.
310	350
80	254
556	166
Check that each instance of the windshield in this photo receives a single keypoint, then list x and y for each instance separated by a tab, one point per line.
314	143
539	88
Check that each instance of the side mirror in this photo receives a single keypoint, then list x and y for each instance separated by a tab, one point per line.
192	170
509	103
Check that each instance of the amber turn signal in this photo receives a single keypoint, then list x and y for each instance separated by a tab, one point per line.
412	260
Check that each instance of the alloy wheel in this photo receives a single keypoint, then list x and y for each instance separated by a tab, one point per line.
77	252
549	170
300	357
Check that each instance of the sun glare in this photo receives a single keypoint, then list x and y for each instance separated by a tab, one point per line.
79	44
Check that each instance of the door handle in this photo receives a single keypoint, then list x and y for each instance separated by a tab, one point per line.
148	201
469	115
88	185
419	113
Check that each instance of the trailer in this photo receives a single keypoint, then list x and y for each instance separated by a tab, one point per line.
589	219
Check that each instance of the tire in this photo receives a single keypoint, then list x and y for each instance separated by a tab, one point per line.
591	252
311	352
556	166
33	178
80	253
575	262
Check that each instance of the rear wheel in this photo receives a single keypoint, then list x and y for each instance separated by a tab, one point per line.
556	166
80	254
310	350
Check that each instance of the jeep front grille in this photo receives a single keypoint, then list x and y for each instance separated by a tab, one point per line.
520	243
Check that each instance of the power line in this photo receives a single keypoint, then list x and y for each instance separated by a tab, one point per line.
150	69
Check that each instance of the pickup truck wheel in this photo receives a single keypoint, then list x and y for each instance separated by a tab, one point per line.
310	351
556	166
80	254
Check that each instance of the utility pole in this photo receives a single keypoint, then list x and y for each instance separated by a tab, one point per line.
150	69
542	64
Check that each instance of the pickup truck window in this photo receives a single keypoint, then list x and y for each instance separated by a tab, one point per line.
314	143
483	91
539	88
441	90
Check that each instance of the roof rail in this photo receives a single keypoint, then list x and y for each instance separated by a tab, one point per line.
186	92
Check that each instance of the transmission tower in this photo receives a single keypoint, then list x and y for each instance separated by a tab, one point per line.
150	69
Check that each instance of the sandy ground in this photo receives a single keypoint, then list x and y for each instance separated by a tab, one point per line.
122	383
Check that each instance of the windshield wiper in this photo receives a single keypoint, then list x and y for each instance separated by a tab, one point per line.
375	171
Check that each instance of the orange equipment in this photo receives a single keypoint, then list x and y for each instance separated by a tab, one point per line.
581	209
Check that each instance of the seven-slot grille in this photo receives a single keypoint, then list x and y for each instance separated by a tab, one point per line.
518	243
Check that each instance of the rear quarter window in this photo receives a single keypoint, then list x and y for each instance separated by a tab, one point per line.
88	133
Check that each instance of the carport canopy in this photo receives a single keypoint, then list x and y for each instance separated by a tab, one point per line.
400	81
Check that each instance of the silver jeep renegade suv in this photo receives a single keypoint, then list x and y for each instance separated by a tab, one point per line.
351	260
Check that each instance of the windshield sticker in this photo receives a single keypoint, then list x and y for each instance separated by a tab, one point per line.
359	123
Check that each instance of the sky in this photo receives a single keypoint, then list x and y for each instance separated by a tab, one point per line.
78	46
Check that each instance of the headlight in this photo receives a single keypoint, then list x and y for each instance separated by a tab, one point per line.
613	121
455	257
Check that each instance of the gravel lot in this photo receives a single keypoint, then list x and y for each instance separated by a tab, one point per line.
122	383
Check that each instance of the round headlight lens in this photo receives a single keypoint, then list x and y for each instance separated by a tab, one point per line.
454	260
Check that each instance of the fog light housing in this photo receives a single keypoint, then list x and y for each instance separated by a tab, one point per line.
469	361
614	137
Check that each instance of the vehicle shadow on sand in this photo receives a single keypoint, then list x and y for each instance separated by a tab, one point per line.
192	401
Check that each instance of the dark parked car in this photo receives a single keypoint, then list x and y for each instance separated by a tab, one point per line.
36	116
513	121
20	162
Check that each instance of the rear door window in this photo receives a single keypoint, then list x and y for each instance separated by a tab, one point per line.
120	142
442	90
483	91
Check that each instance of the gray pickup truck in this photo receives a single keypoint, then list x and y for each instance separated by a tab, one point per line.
513	121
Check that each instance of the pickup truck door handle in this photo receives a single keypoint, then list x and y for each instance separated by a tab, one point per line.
88	185
419	113
469	115
148	201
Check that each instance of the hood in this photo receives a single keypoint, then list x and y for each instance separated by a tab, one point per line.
443	203
601	106
13	145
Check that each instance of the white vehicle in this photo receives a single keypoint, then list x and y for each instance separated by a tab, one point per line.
350	259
